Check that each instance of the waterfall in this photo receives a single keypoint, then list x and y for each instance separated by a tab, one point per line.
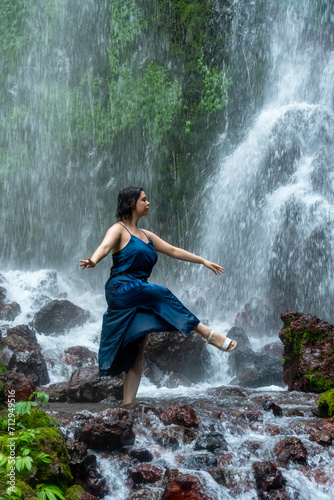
268	214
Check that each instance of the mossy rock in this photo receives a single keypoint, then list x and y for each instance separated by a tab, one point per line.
76	492
326	404
26	491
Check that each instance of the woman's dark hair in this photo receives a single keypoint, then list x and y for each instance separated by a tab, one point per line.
127	197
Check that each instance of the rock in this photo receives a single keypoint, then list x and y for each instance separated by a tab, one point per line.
252	317
108	432
218	475
20	355
212	441
250	416
187	487
251	368
291	449
85	385
144	494
145	473
179	415
141	454
326	404
274	349
171	353
78	493
173	436
9	310
271	406
18	382
23	331
79	356
308	352
59	316
268	480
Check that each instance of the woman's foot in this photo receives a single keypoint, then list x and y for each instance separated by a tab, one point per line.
222	343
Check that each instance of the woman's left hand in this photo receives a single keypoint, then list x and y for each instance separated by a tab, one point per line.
214	267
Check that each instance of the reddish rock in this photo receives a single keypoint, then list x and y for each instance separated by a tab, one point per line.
79	356
144	494
251	416
141	454
18	382
308	352
291	449
59	316
179	415
225	459
322	438
85	385
271	406
185	487
111	431
269	480
183	357
145	473
23	331
173	437
20	355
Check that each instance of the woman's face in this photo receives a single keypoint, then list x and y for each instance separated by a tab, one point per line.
142	205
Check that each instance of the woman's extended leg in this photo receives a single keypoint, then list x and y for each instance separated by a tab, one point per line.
217	339
131	379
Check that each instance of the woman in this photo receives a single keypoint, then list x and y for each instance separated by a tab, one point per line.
136	307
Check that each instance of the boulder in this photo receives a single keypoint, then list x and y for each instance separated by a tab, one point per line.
145	473
308	352
326	404
18	382
291	449
182	415
170	353
212	441
111	431
9	310
20	355
185	486
274	349
85	385
251	368
269	481
23	331
59	316
79	356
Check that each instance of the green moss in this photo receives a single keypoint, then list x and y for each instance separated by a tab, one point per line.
76	492
326	404
317	381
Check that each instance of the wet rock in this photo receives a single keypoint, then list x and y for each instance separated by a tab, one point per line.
141	454
201	461
78	493
173	436
187	487
271	406
79	356
218	475
85	385
59	316
308	352
9	310
322	438
251	317
144	494
225	459
291	449
20	355
251	416
108	432
212	441
252	369
171	353
179	415
145	473
23	331
227	391
274	349
18	382
270	482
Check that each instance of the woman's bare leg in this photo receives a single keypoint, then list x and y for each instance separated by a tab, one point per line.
131	379
216	340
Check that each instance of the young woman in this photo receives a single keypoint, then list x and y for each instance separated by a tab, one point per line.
136	307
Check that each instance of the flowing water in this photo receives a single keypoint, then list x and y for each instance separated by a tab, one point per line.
266	211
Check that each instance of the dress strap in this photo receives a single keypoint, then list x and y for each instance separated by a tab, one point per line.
148	239
124	227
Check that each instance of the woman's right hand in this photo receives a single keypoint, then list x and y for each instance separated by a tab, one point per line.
87	263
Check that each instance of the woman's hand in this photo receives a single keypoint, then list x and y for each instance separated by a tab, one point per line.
214	267
87	263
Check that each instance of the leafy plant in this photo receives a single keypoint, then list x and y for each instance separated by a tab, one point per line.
49	492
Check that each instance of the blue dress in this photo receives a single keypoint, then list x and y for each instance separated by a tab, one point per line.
136	308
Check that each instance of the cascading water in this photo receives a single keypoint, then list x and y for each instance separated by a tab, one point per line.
269	214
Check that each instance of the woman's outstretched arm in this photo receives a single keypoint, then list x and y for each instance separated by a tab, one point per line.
109	242
178	253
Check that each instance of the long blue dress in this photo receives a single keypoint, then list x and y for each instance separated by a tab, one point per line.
136	308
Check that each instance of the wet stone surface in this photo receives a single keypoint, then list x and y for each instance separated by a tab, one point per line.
227	443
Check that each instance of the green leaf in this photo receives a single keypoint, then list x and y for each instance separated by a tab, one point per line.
49	492
44	458
23	462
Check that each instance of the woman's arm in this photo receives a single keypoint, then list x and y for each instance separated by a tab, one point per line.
109	241
178	253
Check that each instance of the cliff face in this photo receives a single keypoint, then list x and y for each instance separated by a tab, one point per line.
308	354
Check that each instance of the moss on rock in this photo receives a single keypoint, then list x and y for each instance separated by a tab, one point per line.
326	404
76	492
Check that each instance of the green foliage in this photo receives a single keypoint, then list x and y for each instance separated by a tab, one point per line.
326	403
216	84
13	15
48	492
